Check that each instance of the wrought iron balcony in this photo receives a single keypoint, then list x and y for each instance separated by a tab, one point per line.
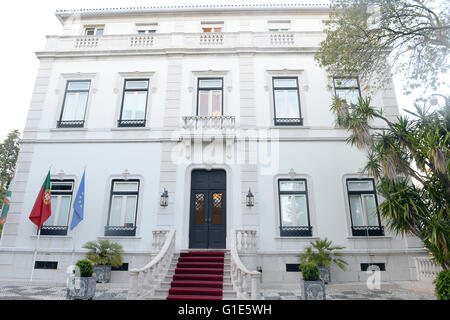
131	123
54	230
70	124
120	231
297	231
209	122
288	121
367	231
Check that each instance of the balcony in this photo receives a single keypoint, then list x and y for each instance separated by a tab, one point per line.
166	42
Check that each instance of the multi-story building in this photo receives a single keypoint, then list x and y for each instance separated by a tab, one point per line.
212	121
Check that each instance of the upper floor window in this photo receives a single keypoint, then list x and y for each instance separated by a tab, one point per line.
363	201
94	31
134	103
279	26
294	210
57	224
212	26
286	100
210	97
123	208
74	104
347	89
146	29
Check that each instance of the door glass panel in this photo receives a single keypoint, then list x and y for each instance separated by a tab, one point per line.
286	211
300	209
130	211
217	208
292	186
116	208
203	103
285	83
64	208
216	103
360	186
371	210
199	207
356	210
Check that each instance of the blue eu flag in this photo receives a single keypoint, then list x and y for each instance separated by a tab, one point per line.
78	205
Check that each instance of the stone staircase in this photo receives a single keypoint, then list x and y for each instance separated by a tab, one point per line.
228	293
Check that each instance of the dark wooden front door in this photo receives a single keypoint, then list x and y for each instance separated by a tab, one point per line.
207	227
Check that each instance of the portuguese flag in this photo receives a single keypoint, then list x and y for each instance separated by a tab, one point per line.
42	209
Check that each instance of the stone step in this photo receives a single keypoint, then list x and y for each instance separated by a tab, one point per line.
227	293
167	285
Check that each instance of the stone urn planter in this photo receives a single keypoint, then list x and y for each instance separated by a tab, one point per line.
313	287
324	274
102	273
81	284
81	288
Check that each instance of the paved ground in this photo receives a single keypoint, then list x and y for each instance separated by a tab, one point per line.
407	290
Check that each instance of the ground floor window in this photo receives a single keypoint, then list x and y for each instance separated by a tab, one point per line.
363	202
294	209
123	208
61	192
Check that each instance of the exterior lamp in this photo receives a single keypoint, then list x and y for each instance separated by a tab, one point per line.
164	199
250	198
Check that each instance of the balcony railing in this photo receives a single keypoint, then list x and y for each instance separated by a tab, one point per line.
209	122
70	124
120	231
297	231
306	40
130	123
367	231
54	230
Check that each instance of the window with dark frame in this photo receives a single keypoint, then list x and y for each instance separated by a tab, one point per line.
74	105
347	89
210	97
94	31
134	103
363	203
62	192
286	101
294	208
123	208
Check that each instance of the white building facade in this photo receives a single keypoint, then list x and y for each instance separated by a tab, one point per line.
211	104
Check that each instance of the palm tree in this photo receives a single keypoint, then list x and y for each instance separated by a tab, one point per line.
104	252
322	253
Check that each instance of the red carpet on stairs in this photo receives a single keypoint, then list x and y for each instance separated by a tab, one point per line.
198	276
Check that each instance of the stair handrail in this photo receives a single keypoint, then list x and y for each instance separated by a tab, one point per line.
153	272
240	273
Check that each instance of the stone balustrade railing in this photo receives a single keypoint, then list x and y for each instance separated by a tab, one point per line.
246	241
145	280
208	122
243	280
426	268
182	41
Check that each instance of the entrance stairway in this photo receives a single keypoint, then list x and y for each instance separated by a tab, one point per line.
198	275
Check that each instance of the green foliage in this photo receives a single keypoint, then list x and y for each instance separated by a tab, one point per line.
322	253
442	283
370	38
9	150
310	272
86	268
410	159
104	252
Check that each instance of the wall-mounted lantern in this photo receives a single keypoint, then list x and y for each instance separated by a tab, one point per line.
250	198
164	199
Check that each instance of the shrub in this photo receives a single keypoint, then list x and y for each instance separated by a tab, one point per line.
104	252
310	272
323	253
442	283
86	268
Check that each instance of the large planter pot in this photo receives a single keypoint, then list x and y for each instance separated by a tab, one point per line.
325	274
81	288
314	290
102	273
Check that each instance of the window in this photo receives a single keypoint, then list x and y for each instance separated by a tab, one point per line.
279	26
363	202
146	29
123	208
212	26
134	103
61	191
347	89
74	104
94	31
294	211
286	101
210	97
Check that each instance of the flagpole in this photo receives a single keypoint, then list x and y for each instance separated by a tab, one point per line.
35	254
74	231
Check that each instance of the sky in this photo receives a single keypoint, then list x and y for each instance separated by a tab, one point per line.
23	27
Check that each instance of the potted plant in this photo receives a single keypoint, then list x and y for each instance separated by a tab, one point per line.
322	253
104	254
313	287
81	285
